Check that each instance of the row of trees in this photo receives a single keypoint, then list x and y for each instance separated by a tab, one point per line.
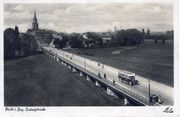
16	44
135	37
163	36
121	38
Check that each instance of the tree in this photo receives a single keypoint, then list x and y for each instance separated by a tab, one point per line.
96	38
129	37
16	30
11	43
76	41
99	41
91	35
143	31
143	35
170	34
148	34
61	42
28	45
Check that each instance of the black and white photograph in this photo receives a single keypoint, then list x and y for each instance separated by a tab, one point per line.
89	54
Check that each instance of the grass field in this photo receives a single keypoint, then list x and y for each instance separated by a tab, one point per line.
41	81
149	60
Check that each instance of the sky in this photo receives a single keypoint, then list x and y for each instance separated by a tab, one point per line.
83	17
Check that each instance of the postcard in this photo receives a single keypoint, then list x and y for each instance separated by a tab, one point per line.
90	58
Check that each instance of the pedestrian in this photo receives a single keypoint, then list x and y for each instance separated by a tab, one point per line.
105	76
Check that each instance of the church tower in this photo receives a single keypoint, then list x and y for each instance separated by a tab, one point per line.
35	23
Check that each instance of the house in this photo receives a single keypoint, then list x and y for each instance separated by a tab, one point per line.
106	37
87	42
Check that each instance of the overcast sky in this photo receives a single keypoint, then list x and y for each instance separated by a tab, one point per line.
91	17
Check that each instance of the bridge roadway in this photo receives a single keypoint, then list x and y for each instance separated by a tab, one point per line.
139	93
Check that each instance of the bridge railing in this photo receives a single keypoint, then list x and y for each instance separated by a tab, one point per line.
128	92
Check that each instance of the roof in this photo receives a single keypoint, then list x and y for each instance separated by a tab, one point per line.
106	35
126	72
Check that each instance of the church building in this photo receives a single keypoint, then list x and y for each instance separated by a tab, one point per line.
43	37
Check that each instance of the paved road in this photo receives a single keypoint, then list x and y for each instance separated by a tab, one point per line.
164	91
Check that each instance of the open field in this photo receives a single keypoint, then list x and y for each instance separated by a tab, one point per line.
149	60
41	81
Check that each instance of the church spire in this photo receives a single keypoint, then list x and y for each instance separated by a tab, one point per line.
35	23
35	15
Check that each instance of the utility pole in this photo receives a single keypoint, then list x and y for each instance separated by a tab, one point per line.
115	30
149	90
115	33
84	63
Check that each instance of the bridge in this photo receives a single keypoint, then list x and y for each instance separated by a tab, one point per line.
91	69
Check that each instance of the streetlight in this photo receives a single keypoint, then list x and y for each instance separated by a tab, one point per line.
149	90
85	63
